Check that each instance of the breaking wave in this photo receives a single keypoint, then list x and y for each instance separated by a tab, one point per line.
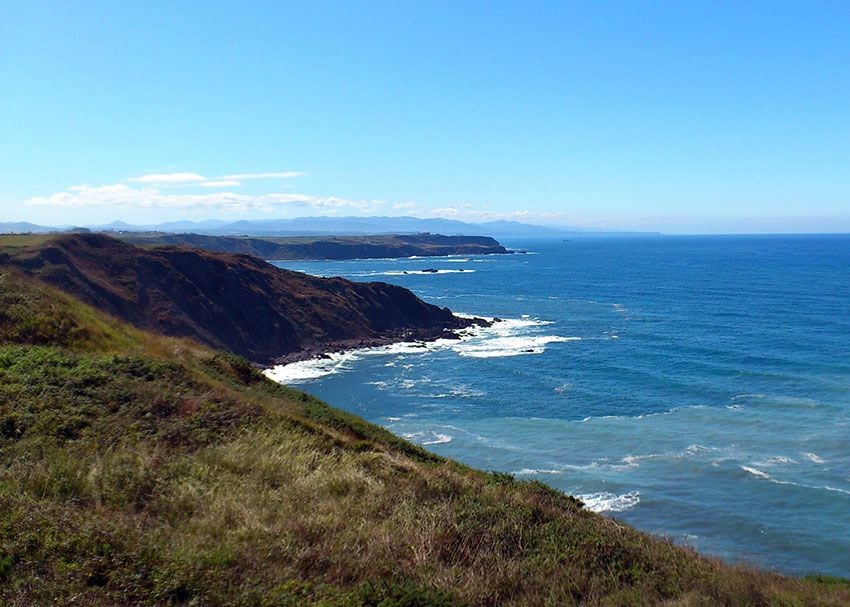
814	457
755	472
413	272
428	437
609	502
505	337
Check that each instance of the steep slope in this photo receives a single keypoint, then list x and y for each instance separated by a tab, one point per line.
234	302
142	469
329	247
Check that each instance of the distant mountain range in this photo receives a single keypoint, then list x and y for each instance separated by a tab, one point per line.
22	226
324	226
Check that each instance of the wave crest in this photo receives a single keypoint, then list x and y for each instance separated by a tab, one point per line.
428	437
609	502
505	337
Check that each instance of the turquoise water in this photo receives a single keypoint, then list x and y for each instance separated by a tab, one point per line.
695	387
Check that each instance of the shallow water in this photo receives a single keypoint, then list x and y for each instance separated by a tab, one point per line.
695	387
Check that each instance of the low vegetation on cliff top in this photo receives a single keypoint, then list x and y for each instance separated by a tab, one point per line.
137	469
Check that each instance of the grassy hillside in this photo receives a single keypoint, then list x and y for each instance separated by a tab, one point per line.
139	469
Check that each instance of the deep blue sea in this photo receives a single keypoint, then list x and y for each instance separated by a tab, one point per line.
694	387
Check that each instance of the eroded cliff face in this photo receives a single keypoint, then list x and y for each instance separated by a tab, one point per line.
234	302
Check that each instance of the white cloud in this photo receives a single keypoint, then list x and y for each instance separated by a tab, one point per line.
130	196
192	192
220	183
279	175
169	178
196	179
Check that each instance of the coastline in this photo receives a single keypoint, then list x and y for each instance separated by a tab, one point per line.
436	256
327	248
480	338
324	350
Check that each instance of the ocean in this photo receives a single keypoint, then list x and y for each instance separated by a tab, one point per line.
694	387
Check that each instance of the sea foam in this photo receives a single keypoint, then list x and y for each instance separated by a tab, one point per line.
508	337
813	457
308	370
428	437
609	502
510	346
755	472
413	272
534	471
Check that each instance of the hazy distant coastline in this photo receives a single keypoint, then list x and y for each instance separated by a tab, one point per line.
278	248
326	226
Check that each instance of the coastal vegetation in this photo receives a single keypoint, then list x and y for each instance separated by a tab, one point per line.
146	469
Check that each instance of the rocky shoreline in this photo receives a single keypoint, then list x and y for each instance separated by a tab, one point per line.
323	350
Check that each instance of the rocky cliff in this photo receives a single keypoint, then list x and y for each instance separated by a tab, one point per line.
234	302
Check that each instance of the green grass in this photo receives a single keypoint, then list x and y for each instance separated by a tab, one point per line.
35	314
12	242
137	469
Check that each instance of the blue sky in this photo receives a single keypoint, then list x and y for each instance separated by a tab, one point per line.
683	117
